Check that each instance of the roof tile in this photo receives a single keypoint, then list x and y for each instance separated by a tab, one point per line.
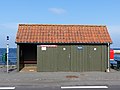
43	33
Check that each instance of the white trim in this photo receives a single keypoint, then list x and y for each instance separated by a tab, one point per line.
111	59
7	88
87	87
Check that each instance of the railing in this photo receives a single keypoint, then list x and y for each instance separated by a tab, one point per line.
12	61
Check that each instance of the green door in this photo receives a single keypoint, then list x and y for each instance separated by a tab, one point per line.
63	62
95	58
47	59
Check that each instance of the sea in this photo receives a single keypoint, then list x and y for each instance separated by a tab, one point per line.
12	56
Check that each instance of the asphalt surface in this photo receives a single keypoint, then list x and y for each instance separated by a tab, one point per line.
54	80
33	87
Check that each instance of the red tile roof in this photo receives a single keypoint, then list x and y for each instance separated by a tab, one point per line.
45	33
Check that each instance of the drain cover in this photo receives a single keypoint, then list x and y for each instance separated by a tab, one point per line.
71	76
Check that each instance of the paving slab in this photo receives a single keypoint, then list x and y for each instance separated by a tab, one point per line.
59	78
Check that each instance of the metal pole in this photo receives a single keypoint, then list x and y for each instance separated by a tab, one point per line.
108	68
7	54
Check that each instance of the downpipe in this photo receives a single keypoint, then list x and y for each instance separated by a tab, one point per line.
108	62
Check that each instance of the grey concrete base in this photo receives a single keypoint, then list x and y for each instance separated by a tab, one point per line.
46	79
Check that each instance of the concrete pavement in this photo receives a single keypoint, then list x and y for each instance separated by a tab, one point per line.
54	80
58	88
46	79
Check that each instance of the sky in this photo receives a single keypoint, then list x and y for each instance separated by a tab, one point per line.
88	12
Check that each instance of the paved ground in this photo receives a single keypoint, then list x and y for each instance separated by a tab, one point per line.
29	69
59	88
12	68
47	79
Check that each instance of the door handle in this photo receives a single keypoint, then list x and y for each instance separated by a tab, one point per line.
69	56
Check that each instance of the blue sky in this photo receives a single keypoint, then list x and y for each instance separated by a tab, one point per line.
93	12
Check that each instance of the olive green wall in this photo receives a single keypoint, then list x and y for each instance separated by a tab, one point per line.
46	59
18	58
76	58
89	58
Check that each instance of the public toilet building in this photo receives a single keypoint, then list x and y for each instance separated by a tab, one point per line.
54	48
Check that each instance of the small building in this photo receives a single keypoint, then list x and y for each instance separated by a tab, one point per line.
53	48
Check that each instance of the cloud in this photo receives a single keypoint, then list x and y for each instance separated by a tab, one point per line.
57	10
